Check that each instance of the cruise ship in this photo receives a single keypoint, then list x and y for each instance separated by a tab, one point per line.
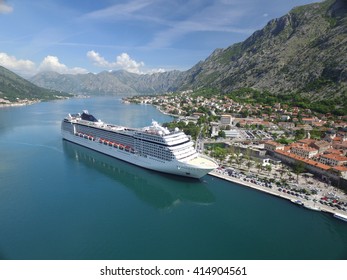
153	147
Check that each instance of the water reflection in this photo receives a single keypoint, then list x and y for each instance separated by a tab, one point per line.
157	189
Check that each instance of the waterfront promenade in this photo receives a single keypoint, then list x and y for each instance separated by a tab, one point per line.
311	203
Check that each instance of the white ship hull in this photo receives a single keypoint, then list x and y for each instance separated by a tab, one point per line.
180	168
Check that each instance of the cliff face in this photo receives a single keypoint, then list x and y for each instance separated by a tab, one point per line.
14	88
303	51
108	83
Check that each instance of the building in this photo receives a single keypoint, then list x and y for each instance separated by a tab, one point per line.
333	159
232	133
305	127
304	151
214	128
285	118
340	171
286	125
272	146
321	146
309	121
226	119
253	152
198	115
317	168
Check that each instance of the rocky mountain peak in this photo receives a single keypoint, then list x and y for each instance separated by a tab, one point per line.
303	51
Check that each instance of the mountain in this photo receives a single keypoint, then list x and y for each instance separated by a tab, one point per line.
108	82
14	88
303	51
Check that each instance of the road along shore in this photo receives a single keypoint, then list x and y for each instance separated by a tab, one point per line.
309	204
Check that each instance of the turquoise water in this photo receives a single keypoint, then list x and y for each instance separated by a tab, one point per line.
62	201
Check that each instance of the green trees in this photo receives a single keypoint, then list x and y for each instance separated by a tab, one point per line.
219	153
336	106
268	168
300	134
190	128
258	165
298	168
221	134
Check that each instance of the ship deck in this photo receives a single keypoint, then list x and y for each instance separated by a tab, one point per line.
203	162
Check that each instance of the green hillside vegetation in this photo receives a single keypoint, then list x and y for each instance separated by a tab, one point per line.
335	106
299	57
14	88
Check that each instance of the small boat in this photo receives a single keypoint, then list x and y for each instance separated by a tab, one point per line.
311	207
340	217
299	202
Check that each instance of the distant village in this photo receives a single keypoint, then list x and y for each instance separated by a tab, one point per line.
277	134
18	102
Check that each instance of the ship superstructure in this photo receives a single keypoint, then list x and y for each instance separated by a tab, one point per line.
153	147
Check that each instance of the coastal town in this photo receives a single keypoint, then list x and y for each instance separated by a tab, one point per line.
289	152
18	102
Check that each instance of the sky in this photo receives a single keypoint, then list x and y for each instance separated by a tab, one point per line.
139	36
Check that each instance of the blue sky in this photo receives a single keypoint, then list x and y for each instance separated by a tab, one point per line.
140	36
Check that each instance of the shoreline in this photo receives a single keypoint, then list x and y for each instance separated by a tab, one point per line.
18	104
308	204
304	203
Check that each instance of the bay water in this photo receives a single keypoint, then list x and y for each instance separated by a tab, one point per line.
59	200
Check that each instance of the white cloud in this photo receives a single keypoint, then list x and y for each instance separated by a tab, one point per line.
196	17
51	63
126	63
123	61
27	68
156	70
124	10
98	60
4	8
23	67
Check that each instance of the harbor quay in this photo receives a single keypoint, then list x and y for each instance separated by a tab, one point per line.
316	203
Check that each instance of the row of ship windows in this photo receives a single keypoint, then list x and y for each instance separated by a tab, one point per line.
151	146
152	138
126	140
155	152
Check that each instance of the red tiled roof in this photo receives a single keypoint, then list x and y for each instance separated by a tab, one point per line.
334	151
304	160
340	168
337	138
321	143
273	143
334	157
306	141
305	148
